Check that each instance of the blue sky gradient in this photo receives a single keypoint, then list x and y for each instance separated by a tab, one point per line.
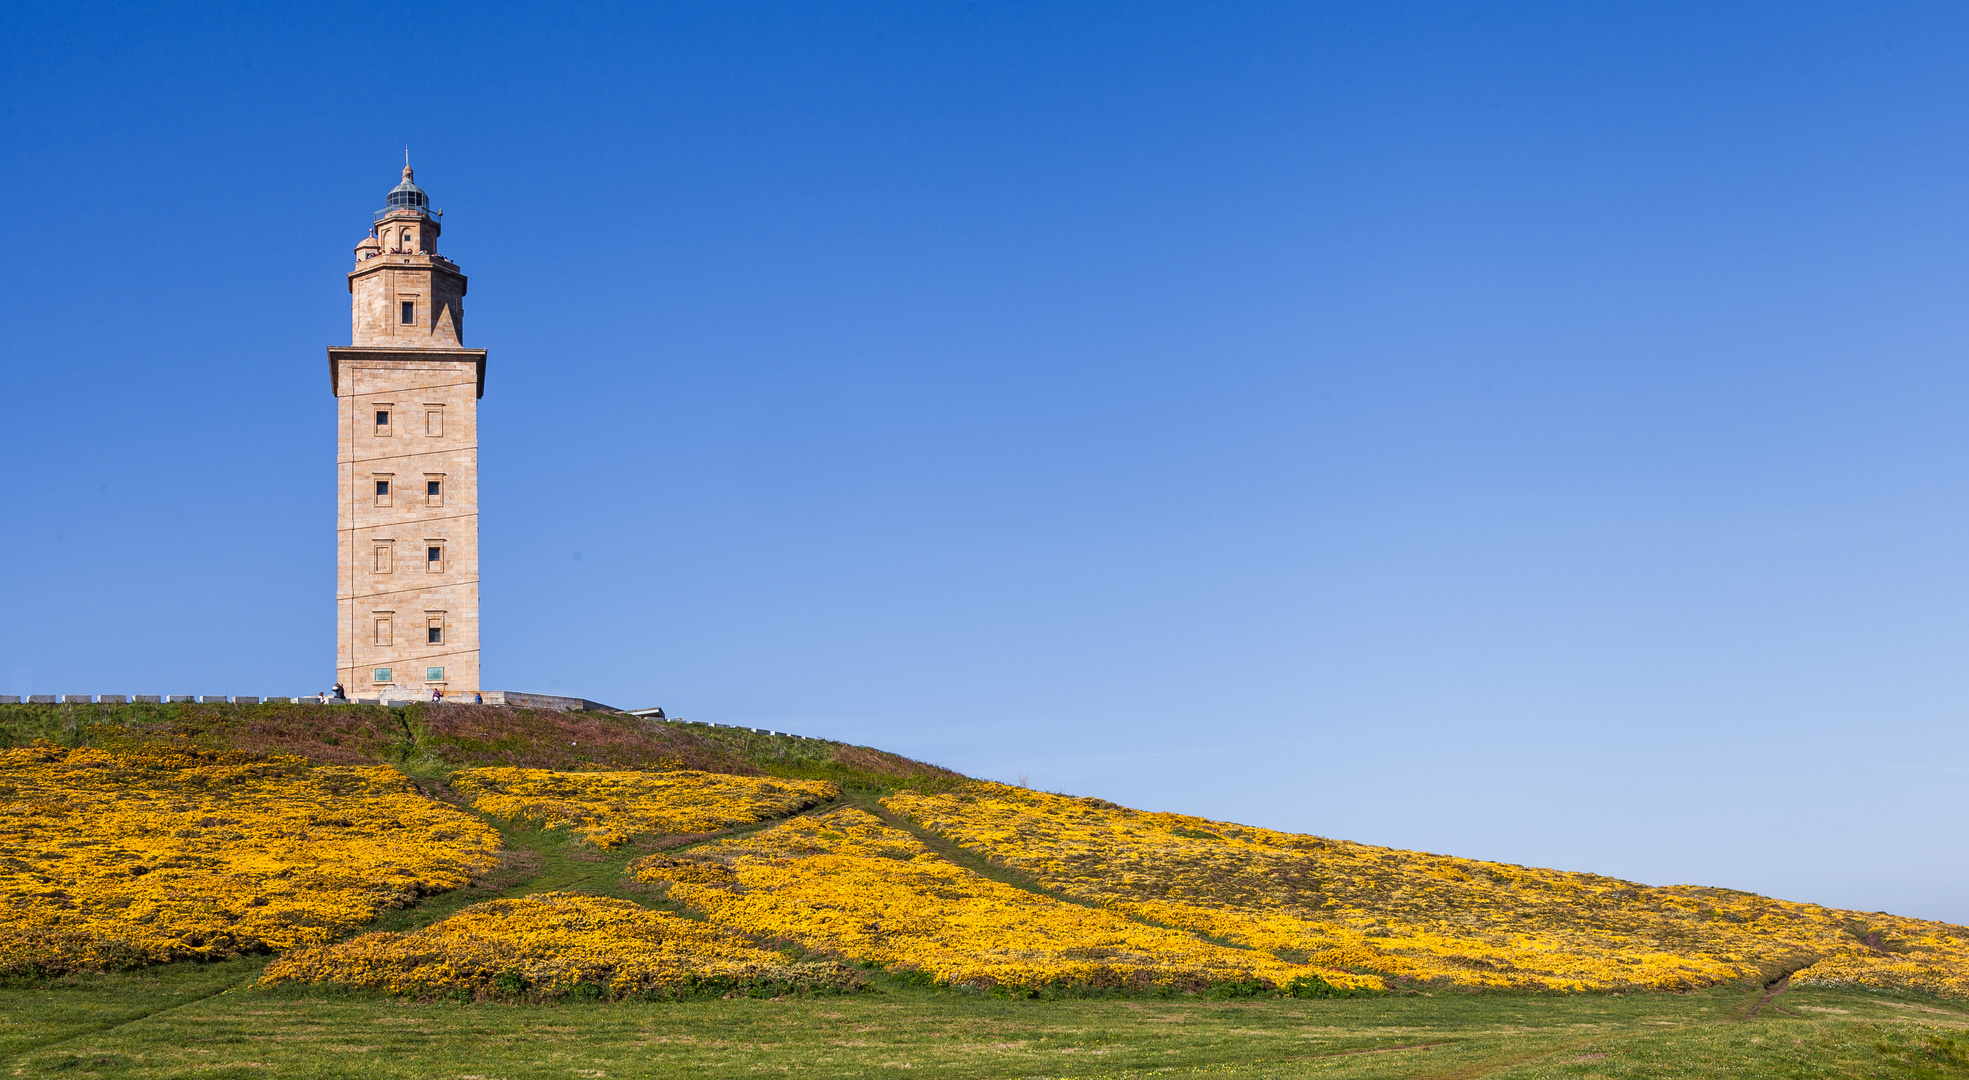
1524	432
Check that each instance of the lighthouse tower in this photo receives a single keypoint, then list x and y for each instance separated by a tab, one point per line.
407	463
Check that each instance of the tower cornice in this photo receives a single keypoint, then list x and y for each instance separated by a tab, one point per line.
437	264
343	354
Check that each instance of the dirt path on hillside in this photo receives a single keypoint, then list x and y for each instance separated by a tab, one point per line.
978	863
1771	991
959	855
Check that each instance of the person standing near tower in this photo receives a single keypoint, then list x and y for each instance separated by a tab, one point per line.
407	520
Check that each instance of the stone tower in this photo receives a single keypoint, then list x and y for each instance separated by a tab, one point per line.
407	459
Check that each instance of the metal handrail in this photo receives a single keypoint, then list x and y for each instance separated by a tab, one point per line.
425	211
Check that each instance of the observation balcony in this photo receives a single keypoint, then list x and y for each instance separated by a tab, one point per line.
421	211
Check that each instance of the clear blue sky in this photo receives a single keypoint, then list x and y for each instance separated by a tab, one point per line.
1530	433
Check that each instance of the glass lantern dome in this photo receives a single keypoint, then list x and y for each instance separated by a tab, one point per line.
406	196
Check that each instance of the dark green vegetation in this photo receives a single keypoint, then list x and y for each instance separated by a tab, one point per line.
429	741
208	1020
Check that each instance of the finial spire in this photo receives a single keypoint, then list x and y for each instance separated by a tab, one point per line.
407	175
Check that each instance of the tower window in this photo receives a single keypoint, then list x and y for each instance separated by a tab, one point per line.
383	636
409	312
434	558
434	635
434	420
382	418
382	558
434	491
383	490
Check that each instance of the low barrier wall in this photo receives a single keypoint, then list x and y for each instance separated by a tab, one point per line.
491	697
132	699
741	727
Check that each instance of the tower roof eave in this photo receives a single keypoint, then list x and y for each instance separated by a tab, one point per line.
339	353
437	264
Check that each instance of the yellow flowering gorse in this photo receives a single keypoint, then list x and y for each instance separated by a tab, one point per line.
555	944
847	883
1429	917
607	808
117	860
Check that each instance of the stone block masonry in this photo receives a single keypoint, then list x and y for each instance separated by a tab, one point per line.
407	460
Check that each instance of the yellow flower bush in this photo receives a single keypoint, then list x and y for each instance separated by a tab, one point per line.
558	944
1921	956
607	808
113	860
1429	917
846	883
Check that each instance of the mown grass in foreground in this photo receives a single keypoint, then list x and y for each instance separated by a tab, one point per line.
59	1029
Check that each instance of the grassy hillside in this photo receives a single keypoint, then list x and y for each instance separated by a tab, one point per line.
328	867
433	741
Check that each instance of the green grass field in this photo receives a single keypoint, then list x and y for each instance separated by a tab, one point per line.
206	1021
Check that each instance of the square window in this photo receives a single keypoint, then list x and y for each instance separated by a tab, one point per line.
382	674
410	313
383	488
434	635
433	674
430	487
382	418
433	554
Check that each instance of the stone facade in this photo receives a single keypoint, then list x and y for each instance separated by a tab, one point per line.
407	460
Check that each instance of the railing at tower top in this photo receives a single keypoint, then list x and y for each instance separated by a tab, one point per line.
420	211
